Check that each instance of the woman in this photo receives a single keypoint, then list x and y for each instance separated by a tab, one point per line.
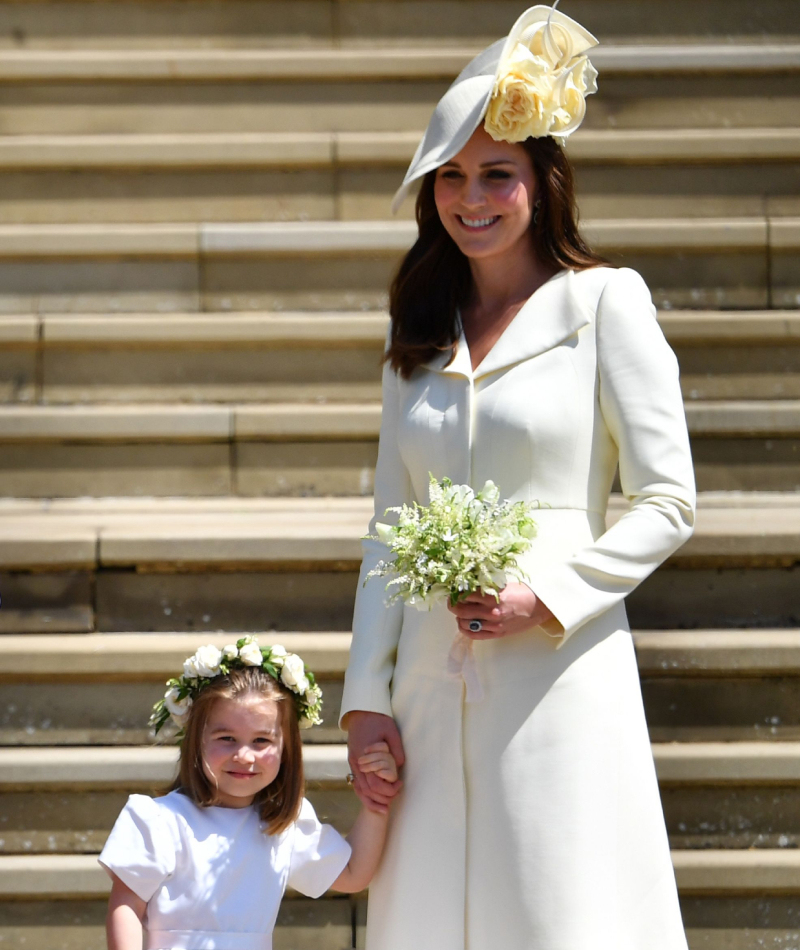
530	815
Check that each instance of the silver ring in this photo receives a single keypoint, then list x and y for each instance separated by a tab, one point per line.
350	779
475	626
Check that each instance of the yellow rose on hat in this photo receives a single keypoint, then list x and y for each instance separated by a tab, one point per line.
523	103
541	84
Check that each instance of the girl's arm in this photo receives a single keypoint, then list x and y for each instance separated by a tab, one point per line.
368	834
126	911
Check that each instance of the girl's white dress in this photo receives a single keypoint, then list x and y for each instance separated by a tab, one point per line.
212	879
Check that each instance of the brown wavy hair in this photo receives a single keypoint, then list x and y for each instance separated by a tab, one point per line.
279	803
434	278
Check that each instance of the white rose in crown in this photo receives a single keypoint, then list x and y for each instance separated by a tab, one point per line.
293	674
178	708
278	654
542	81
230	652
250	654
207	660
313	695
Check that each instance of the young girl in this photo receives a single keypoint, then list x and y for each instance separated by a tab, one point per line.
205	866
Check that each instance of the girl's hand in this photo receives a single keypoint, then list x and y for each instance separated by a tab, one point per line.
365	729
378	759
518	609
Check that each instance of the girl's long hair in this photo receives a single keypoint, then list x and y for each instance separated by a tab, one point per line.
279	803
434	278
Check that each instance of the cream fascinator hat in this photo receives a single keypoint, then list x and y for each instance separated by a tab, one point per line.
532	83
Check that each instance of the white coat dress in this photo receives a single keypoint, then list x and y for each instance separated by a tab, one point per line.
531	819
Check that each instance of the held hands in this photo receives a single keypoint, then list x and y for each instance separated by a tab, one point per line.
518	609
377	783
378	759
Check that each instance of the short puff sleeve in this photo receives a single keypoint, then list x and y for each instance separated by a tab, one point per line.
319	854
140	850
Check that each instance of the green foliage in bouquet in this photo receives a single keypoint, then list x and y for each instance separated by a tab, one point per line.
460	543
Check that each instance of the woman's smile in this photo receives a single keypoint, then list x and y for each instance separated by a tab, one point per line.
478	224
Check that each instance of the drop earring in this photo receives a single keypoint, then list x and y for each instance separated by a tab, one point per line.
537	206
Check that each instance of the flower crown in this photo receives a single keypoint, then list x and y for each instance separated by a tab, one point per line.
542	83
210	662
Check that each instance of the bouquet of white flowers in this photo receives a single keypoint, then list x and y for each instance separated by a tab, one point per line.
461	542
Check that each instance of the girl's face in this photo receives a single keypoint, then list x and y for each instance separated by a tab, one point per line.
242	748
485	195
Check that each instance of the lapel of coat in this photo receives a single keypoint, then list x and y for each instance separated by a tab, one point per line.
553	314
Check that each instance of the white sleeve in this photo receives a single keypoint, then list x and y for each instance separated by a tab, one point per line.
319	854
376	625
642	407
140	850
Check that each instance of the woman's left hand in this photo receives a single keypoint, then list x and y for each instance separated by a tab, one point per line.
518	609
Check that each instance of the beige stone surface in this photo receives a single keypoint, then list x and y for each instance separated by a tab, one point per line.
97	240
164	108
135	655
17	374
301	422
319	283
303	924
757	871
745	872
744	417
226	150
234	600
75	619
305	468
82	24
699	327
124	197
703	280
255	531
98	285
276	329
128	423
671	652
18	330
116	767
762	763
64	469
747	464
209	64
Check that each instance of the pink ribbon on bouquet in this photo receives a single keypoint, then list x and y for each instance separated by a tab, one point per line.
461	663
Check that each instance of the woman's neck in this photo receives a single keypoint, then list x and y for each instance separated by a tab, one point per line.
500	286
504	282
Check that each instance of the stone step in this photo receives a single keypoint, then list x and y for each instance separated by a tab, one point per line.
94	689
731	900
229	151
352	176
146	656
202	90
757	872
64	800
702	262
206	64
290	564
240	25
328	357
298	448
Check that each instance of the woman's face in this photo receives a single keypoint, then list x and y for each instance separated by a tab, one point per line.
242	748
485	195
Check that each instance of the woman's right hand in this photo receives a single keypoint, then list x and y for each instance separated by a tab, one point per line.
365	729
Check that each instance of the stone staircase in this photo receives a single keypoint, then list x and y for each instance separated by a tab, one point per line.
194	254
